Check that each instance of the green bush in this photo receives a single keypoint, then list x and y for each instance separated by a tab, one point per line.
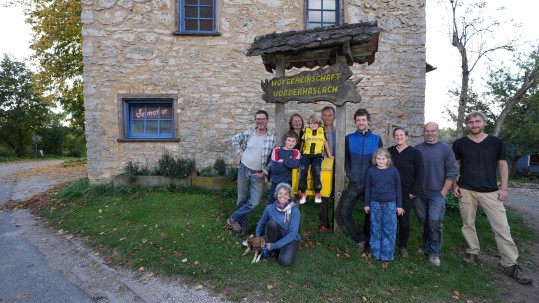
7	152
206	172
220	166
169	167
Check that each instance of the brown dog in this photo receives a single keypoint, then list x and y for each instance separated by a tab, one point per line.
256	245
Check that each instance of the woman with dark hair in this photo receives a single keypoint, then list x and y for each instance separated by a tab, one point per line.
280	224
296	124
408	161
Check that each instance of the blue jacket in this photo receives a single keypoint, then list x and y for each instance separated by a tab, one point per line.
359	148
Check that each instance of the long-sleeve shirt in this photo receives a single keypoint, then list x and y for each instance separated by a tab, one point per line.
290	229
239	143
383	185
282	171
409	163
439	164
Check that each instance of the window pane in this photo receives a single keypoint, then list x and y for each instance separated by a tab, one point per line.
166	112
329	17
315	4
138	112
166	127
206	2
137	128
206	12
152	127
206	25
191	12
191	25
191	2
329	4
152	112
314	17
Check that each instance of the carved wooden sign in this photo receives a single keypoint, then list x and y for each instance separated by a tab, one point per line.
329	84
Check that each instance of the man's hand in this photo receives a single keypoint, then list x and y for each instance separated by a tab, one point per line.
456	191
502	194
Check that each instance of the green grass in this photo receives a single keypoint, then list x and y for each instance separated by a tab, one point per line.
182	232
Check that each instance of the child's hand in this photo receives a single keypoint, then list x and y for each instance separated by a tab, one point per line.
400	211
368	209
331	157
280	160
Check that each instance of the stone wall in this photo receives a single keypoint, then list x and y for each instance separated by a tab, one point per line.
129	48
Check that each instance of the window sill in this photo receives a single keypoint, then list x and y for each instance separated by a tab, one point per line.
148	140
177	33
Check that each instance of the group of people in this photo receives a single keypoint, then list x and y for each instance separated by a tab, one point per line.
391	181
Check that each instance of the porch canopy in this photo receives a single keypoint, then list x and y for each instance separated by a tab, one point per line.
336	47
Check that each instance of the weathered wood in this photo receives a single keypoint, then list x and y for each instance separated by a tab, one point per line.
324	84
339	161
281	122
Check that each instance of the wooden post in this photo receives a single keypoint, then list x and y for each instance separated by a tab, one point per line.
281	122
339	161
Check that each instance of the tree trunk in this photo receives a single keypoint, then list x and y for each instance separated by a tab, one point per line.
528	81
465	82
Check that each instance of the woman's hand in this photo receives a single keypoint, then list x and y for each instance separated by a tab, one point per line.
367	209
268	246
400	211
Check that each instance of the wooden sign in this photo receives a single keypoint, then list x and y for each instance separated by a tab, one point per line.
324	84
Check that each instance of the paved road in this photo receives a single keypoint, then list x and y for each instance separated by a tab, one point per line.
25	275
40	264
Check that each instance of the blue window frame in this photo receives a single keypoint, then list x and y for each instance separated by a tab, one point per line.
149	119
322	13
198	16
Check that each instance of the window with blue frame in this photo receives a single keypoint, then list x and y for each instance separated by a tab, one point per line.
149	119
198	16
322	13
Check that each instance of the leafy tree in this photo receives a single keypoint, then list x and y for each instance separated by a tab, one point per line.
474	36
21	109
57	43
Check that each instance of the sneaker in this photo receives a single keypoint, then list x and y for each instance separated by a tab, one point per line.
323	229
471	258
403	252
421	252
434	260
302	198
318	198
236	227
360	246
516	272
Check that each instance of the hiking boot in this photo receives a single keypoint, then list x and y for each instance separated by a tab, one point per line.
323	229
318	198
516	272
403	252
236	227
434	260
471	259
302	198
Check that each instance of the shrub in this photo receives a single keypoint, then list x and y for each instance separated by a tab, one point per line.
220	166
206	172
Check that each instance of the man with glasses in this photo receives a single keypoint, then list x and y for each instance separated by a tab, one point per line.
254	147
434	181
479	155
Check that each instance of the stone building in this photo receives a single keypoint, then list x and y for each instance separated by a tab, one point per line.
173	75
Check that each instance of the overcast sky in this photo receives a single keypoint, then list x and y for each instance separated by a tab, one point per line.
15	36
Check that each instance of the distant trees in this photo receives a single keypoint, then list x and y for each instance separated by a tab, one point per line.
21	109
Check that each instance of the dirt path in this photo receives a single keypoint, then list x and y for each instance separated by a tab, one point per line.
525	202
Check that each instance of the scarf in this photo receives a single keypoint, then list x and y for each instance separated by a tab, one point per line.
287	210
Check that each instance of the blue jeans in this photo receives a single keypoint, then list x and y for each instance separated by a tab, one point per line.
250	191
287	253
430	211
345	211
383	230
315	161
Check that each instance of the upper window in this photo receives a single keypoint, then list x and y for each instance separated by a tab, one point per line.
198	17
149	119
322	13
534	159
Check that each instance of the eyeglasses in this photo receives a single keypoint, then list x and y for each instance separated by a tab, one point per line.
260	119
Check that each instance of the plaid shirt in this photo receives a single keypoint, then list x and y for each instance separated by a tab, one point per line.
239	142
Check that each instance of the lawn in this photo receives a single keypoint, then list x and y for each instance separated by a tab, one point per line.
182	231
